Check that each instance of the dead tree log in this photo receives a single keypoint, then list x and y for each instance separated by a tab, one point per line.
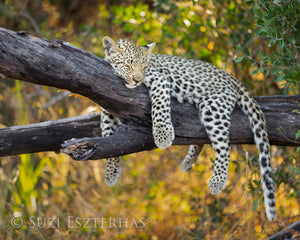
59	64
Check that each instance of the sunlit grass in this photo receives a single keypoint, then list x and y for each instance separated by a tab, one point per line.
152	189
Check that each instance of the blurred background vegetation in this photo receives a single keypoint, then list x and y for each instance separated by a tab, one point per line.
256	41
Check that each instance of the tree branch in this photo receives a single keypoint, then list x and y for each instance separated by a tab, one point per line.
62	65
47	136
291	232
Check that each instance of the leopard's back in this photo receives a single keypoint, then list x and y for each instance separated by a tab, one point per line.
191	80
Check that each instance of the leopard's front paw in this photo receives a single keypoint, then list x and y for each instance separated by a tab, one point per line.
112	171
217	183
163	135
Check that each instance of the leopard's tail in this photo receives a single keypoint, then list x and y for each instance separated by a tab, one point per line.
259	129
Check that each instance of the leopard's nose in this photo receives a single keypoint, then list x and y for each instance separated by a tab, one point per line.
138	76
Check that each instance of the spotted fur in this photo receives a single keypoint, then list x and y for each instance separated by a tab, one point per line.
214	92
109	125
191	157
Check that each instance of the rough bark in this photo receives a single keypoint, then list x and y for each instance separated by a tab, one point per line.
47	136
59	64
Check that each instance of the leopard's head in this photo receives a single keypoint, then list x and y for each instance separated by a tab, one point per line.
128	59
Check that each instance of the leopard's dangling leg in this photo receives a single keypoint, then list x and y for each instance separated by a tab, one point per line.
109	125
191	157
112	171
215	117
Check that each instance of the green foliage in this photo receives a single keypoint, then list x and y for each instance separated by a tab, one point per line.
298	134
278	33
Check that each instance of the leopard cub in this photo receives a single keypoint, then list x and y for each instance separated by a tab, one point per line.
215	94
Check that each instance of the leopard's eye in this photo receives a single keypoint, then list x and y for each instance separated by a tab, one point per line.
127	67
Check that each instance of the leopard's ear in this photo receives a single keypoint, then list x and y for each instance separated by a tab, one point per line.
149	48
110	47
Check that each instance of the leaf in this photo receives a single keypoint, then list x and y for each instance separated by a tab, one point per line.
255	71
260	54
255	204
239	59
294	169
270	43
298	134
280	77
282	45
269	21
